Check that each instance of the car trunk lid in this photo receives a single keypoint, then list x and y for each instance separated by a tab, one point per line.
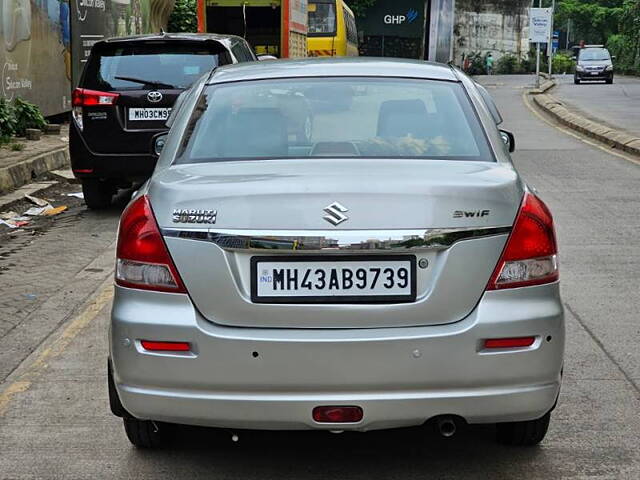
450	219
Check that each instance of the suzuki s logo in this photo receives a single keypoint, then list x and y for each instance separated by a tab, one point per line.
335	213
471	214
154	97
409	17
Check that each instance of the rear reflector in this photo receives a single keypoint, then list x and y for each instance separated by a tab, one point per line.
83	170
165	346
509	342
334	414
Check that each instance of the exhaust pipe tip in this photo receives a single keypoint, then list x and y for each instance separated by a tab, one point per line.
446	426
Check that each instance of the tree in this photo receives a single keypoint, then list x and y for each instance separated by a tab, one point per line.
184	17
359	7
626	45
593	21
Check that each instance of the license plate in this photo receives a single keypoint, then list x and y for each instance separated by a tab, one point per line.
595	73
146	114
336	279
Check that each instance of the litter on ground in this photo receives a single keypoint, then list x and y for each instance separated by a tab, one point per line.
38	201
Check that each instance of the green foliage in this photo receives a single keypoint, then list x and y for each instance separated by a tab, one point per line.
27	115
184	17
563	64
508	64
7	119
591	20
17	147
626	45
359	7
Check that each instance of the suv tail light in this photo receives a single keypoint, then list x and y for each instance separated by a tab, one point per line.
81	97
529	257
143	260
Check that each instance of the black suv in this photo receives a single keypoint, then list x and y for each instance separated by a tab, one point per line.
593	63
124	97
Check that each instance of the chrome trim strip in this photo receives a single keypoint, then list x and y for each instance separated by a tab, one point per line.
344	240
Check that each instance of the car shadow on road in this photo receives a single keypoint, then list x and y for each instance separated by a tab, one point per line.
401	453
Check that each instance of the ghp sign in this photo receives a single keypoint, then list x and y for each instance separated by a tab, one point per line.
409	17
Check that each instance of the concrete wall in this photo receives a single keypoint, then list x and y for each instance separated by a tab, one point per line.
498	27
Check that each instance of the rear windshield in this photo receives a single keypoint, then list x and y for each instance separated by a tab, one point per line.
176	66
594	54
334	117
322	18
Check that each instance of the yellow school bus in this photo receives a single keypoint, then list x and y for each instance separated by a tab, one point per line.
332	29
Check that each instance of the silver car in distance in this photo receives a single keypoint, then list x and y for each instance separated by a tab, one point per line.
336	244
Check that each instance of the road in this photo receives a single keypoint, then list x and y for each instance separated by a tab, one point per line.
616	105
54	419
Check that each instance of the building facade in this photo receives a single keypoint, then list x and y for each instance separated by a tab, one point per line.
444	30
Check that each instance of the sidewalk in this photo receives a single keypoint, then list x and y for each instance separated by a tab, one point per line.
21	167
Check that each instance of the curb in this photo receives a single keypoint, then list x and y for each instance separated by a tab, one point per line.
24	172
611	136
546	85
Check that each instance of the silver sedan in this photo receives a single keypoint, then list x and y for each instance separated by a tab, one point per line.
336	245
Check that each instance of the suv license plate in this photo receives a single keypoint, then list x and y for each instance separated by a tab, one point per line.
335	279
146	114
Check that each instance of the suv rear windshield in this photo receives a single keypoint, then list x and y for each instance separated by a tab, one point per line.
334	117
173	65
594	54
322	18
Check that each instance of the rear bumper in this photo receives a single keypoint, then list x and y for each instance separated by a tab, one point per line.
87	164
273	378
292	411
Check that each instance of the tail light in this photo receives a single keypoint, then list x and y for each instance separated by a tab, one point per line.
143	260
81	97
529	258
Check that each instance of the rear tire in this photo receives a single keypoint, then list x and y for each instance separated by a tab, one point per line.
609	81
527	433
576	80
144	433
97	193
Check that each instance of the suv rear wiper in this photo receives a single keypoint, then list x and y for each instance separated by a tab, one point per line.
153	83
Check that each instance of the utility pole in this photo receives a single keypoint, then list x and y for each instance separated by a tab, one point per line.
550	44
538	55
